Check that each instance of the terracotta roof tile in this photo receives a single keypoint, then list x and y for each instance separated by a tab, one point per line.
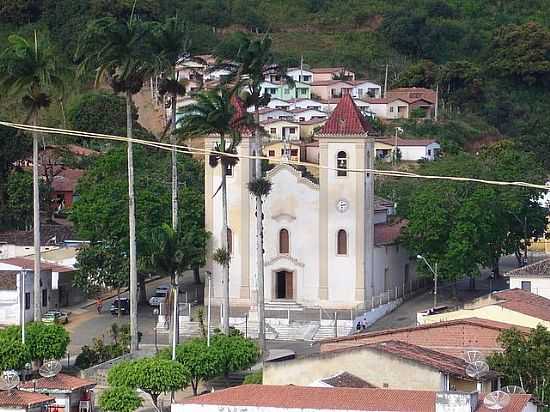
22	399
60	382
66	180
346	120
346	380
524	302
517	404
28	263
301	397
47	232
411	94
388	233
537	269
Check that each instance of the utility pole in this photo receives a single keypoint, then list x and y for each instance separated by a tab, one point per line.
22	303
525	239
435	285
436	102
386	81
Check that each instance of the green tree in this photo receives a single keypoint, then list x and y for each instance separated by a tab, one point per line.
19	205
122	51
214	113
13	353
235	351
119	399
46	341
525	361
31	71
152	375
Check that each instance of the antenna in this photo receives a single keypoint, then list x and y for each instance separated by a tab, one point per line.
477	369
496	400
472	356
513	389
50	368
8	380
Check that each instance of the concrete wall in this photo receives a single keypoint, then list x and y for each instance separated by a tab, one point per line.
393	258
9	250
376	367
540	286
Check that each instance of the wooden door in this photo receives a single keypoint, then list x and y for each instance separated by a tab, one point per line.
289	287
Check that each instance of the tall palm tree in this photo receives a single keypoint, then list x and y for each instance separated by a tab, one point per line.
122	52
214	114
253	62
30	70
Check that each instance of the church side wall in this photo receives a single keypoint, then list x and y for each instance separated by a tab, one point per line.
393	258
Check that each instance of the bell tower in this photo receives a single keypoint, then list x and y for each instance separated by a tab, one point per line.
346	207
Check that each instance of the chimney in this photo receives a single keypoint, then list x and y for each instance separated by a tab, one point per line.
456	401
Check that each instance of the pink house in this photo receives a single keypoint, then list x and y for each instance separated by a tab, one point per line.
329	73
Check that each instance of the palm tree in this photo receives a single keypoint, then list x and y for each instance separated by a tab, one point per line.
253	62
214	114
31	71
122	51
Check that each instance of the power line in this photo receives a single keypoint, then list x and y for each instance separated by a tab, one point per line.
191	150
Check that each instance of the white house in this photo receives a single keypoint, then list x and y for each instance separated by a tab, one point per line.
305	115
300	75
328	242
20	401
534	278
306	104
410	149
275	114
282	129
365	89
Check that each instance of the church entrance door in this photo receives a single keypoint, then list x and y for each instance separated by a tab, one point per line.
284	285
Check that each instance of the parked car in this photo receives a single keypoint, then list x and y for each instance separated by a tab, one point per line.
162	288
55	316
158	298
124	304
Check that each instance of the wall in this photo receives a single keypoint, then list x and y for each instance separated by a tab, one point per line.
413	153
393	257
539	286
376	367
9	250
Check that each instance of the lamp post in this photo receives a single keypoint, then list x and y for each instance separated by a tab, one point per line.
434	271
209	276
22	277
155	313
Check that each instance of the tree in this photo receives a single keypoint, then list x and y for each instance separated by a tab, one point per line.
102	264
214	113
13	353
525	361
31	71
119	399
122	50
19	204
235	351
46	341
152	375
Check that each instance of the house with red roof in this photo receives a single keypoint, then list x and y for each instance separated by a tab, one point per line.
328	240
16	400
273	398
408	149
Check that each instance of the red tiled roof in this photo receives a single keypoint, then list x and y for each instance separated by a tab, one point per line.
346	380
388	233
517	403
301	110
304	397
411	94
66	180
60	382
537	269
524	302
406	142
22	399
47	232
346	120
28	263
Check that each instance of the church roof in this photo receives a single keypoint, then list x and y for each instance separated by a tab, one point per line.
346	120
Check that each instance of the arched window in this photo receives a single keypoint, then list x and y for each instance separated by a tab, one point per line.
342	246
283	241
229	241
342	163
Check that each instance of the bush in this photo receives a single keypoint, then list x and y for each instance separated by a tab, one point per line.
99	352
254	378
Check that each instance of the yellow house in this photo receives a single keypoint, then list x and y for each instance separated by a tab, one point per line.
275	151
513	306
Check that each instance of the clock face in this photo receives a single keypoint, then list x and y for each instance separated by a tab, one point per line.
342	205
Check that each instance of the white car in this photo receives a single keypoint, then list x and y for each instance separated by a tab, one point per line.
159	297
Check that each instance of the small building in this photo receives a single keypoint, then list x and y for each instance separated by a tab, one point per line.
409	149
273	398
513	306
16	243
276	151
534	278
282	129
335	89
284	91
275	104
21	401
305	115
329	73
71	393
306	104
275	114
300	74
64	187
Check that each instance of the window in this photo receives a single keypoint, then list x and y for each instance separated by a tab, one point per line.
228	170
342	163
283	241
360	93
429	152
526	285
271	153
391	109
294	152
302	119
27	300
292	130
303	91
44	297
306	78
273	130
342	243
272	90
229	241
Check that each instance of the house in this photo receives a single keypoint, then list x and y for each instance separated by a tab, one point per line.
308	128
391	364
341	380
71	394
305	115
534	278
21	401
330	73
356	254
418	98
366	89
282	129
409	149
273	114
362	105
275	150
389	108
15	243
275	103
513	306
453	337
15	299
300	74
335	89
306	104
283	91
273	398
64	186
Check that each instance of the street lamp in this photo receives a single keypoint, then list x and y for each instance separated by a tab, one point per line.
434	271
209	276
156	313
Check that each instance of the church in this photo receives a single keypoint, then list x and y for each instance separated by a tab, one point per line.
329	241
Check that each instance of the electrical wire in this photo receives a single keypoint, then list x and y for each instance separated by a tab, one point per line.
192	150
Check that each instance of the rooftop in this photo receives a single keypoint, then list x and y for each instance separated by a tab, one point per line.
66	180
346	380
26	263
388	233
411	94
59	382
521	301
537	269
346	120
22	399
406	142
328	70
49	235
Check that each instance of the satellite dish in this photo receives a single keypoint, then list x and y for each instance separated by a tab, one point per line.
472	356
477	369
496	400
8	380
513	389
50	368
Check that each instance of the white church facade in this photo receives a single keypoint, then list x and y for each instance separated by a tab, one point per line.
328	241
